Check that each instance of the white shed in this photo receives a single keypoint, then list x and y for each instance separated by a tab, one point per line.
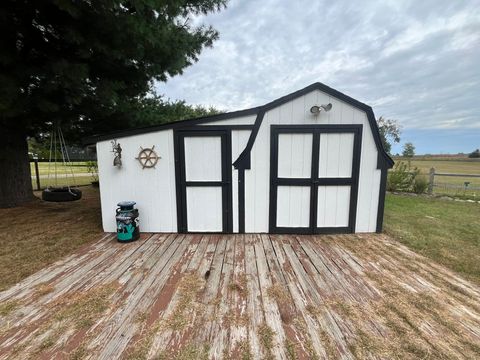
283	167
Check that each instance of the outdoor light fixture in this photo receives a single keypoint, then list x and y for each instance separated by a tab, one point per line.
315	109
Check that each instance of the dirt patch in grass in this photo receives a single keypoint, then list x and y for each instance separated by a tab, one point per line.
39	233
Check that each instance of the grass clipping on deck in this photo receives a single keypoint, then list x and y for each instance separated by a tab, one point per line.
189	288
83	309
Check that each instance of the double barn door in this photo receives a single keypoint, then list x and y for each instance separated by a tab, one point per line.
314	174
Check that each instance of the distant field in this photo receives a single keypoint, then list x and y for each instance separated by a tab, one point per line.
454	165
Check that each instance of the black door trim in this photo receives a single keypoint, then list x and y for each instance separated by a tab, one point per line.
314	181
180	177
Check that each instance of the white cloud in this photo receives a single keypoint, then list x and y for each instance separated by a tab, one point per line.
414	61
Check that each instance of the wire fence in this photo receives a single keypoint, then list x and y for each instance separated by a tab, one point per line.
467	185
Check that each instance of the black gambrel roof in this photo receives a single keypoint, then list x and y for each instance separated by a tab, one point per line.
384	160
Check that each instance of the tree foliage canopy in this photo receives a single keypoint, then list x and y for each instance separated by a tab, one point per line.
474	154
408	150
91	64
390	130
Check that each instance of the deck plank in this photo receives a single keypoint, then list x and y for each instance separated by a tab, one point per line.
115	336
254	305
289	313
301	300
173	337
238	335
270	308
219	329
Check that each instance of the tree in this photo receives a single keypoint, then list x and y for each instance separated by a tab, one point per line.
474	154
148	111
88	65
390	130
155	110
408	150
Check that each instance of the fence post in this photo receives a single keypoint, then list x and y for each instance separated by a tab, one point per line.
431	179
37	174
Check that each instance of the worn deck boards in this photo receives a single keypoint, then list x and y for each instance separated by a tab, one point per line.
242	296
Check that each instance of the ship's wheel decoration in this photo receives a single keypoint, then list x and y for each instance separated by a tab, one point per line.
147	157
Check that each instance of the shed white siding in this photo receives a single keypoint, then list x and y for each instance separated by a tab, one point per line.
297	112
154	190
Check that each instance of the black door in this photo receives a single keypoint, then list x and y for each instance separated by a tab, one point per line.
314	175
203	180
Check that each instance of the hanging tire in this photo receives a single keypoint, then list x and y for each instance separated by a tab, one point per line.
61	194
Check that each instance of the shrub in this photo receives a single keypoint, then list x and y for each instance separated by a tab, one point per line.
92	168
475	154
401	177
420	184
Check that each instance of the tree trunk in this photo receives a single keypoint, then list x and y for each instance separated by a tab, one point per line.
15	177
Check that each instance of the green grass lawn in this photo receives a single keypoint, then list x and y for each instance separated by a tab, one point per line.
78	180
76	167
44	168
39	233
445	231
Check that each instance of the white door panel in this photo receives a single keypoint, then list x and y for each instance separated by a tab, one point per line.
293	206
203	158
333	206
336	155
204	208
295	155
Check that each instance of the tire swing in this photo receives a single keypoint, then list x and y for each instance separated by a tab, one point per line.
59	193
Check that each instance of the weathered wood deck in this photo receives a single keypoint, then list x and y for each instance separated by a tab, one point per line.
242	296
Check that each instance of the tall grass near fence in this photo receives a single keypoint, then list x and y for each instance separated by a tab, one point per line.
450	177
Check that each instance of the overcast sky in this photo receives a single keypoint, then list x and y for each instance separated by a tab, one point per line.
414	61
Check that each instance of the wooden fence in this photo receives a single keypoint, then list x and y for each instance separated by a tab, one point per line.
465	186
37	176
